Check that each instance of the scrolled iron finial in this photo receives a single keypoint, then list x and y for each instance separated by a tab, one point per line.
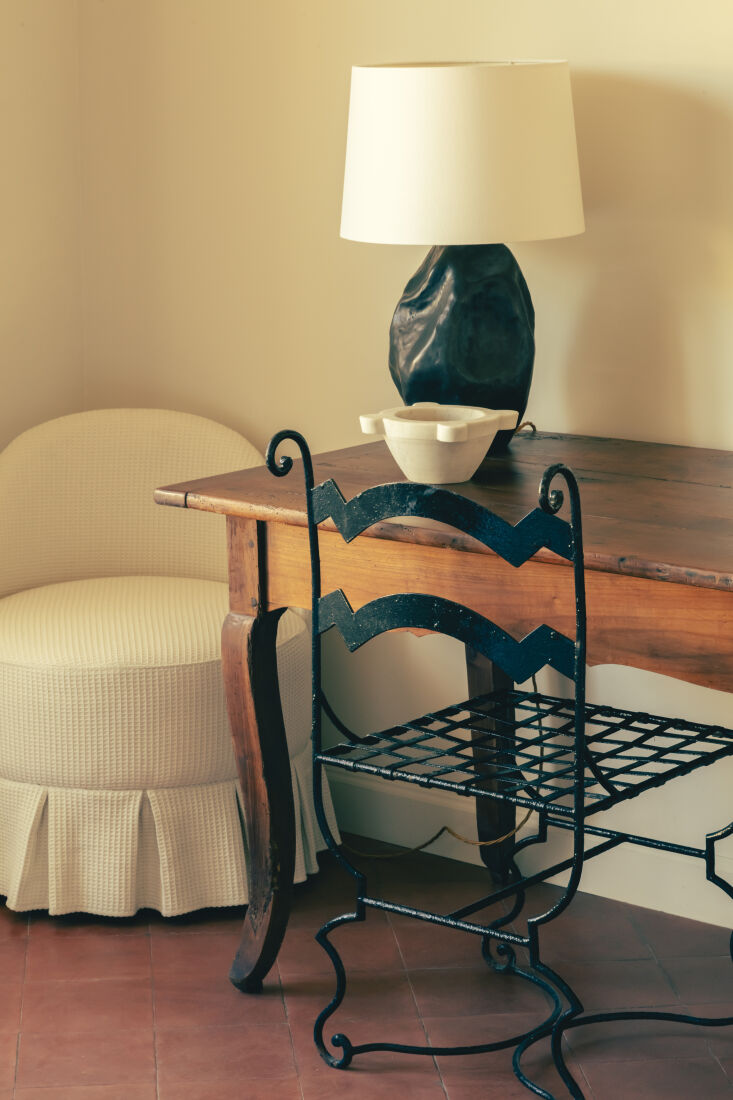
552	500
285	464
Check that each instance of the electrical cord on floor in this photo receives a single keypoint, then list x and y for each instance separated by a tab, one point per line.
427	843
447	829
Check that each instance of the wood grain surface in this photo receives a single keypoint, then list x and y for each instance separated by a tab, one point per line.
649	510
676	629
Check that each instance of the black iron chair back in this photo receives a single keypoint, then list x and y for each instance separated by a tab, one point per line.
516	544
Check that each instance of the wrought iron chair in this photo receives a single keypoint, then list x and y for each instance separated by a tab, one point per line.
566	759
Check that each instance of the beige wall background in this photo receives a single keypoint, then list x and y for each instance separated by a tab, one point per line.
170	202
40	213
214	277
170	208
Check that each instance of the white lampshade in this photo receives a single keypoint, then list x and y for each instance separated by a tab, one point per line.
479	153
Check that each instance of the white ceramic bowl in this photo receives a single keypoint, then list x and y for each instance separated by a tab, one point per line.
436	444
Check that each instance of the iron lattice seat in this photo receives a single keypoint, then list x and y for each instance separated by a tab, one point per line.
565	759
530	756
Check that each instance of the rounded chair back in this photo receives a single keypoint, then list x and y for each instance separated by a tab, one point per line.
76	497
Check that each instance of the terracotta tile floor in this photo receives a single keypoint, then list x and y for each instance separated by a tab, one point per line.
141	1009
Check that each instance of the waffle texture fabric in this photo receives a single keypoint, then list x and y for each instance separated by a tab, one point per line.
118	785
77	497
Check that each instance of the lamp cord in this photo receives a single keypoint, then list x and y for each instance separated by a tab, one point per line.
427	843
447	829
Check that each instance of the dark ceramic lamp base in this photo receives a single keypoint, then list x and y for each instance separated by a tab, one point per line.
463	332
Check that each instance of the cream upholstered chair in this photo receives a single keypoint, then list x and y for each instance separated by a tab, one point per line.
118	785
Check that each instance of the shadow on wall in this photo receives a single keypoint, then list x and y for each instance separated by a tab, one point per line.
654	339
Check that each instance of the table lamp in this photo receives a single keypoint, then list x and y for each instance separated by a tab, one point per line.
462	157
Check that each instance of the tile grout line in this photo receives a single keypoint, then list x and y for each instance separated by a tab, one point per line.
660	958
153	1008
290	1030
22	998
406	969
590	1091
716	1058
683	1005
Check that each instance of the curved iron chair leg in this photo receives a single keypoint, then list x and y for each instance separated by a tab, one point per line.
349	1049
575	1016
338	1040
359	914
515	875
555	1031
710	872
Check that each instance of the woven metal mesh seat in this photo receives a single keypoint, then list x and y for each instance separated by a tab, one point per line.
531	757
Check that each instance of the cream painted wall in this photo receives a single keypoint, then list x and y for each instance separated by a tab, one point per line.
215	276
40	361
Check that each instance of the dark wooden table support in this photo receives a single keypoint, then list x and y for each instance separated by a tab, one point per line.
493	819
250	676
249	666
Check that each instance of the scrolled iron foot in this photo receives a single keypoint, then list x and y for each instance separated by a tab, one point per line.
341	1040
338	1039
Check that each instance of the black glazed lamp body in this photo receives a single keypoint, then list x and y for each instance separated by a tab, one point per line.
463	332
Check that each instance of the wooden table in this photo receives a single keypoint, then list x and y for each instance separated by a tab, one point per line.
658	530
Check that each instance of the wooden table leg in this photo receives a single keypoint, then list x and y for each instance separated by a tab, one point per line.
249	665
493	818
250	675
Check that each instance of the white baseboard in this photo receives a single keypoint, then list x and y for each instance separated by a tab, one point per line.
402	814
